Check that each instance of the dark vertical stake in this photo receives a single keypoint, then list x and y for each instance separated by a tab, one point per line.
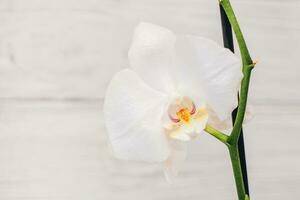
228	43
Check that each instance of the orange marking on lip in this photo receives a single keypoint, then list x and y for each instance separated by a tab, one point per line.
184	114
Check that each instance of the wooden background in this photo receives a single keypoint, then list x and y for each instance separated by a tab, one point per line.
56	58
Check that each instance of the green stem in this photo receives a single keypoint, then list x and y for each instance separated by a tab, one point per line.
247	67
236	131
237	171
237	30
235	134
235	159
217	134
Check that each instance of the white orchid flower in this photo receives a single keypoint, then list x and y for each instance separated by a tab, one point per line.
175	86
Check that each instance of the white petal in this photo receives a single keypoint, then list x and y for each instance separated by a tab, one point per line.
221	125
133	113
200	125
226	124
250	113
182	134
175	160
151	55
217	123
217	71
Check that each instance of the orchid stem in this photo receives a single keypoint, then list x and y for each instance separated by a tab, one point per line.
217	134
248	65
237	171
237	30
247	68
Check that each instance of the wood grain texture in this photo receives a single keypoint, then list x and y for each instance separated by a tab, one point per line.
59	150
48	48
56	59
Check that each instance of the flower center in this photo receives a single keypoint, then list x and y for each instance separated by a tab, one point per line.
181	110
186	120
184	114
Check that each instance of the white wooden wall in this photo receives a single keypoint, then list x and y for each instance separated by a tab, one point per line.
56	58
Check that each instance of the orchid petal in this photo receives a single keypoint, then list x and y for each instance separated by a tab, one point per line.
201	124
214	70
151	55
133	113
217	123
226	124
181	133
175	160
249	114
